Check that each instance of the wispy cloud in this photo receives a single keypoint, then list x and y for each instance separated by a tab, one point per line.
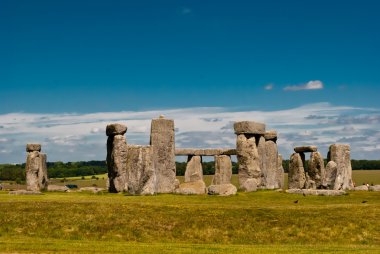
311	85
268	87
74	137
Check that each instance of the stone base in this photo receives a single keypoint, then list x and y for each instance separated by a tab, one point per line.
58	188
249	185
222	189
317	192
25	192
192	188
91	189
361	187
374	188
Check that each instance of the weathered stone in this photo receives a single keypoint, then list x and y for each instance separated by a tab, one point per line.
192	188
249	164
222	189
141	177
33	147
316	169
330	175
340	154
36	171
270	165
117	163
116	129
205	152
249	127
271	135
317	192
374	188
249	185
162	142
279	180
261	159
304	149
223	170
58	188
296	175
91	189
361	188
24	192
194	170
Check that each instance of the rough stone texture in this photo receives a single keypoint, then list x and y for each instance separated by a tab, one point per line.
374	188
33	147
270	164
194	170
361	188
162	141
317	192
58	188
223	170
280	173
222	189
249	127
91	189
330	175
205	152
262	164
316	169
141	177
340	154
36	171
296	175
271	135
24	192
249	163
116	129
117	163
192	188
304	149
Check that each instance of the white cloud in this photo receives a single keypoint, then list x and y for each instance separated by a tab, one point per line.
74	137
311	85
268	87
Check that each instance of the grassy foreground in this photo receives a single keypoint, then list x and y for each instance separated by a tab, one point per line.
260	222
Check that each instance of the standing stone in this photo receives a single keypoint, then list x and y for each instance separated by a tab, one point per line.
194	170
36	170
316	169
223	170
270	162
261	152
116	158
340	154
296	175
141	177
279	180
162	142
249	164
330	175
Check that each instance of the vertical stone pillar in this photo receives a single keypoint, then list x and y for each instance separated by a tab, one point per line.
248	135
280	173
116	158
316	169
296	174
340	154
162	142
223	170
36	170
261	153
270	158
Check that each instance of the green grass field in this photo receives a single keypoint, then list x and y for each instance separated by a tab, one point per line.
259	222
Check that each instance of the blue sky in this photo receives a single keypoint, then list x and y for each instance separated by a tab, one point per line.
86	57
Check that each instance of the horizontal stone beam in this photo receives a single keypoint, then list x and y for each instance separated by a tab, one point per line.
205	152
304	149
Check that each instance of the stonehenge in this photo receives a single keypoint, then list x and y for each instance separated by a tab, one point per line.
36	169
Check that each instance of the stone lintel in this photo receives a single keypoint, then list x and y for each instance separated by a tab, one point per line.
33	147
205	152
305	149
270	135
116	129
249	127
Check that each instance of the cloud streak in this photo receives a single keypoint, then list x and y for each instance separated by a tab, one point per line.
311	85
74	137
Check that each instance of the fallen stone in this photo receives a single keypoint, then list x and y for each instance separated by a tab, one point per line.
317	192
192	188
222	189
249	127
316	169
33	147
163	145
304	149
25	192
91	189
194	170
374	188
117	163
223	170
116	129
330	175
361	188
340	154
296	175
249	185
58	188
271	135
205	152
141	177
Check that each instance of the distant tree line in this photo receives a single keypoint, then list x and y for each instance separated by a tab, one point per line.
16	172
